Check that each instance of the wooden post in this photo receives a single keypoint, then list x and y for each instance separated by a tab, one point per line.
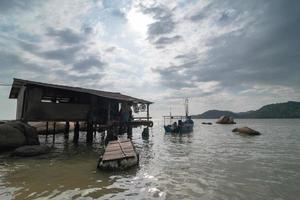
129	131
108	112
147	112
67	129
76	132
54	126
112	133
145	133
95	129
47	130
89	133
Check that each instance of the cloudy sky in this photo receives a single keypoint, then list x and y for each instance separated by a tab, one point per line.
226	54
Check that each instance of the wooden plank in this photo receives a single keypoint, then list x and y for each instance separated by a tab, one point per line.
108	157
116	156
119	141
112	148
117	150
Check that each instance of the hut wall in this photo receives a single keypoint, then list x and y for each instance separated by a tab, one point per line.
37	110
20	103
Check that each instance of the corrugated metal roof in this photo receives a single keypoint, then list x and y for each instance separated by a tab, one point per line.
18	83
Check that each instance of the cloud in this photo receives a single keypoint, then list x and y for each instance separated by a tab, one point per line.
264	49
167	40
7	5
160	27
209	50
65	55
65	36
72	77
87	63
164	23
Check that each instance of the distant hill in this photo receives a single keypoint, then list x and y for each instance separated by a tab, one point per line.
290	109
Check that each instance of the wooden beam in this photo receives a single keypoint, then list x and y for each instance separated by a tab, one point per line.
148	117
76	132
47	130
89	133
67	129
54	126
108	113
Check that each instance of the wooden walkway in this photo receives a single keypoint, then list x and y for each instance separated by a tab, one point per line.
119	149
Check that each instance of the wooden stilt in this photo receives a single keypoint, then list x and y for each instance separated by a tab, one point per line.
145	133
76	132
54	126
112	134
102	137
89	134
47	130
95	129
129	131
67	129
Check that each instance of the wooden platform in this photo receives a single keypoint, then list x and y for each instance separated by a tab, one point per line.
119	149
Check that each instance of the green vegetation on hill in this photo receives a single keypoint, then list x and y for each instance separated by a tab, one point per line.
290	109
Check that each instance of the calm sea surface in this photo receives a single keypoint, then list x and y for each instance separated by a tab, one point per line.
210	163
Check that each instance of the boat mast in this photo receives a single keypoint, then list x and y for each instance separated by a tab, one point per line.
186	103
170	115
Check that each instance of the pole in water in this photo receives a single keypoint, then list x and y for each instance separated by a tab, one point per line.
47	130
89	134
76	132
186	103
67	129
54	124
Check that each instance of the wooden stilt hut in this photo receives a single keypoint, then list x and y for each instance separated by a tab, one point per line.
46	102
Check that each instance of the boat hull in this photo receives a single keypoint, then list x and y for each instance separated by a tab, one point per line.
186	128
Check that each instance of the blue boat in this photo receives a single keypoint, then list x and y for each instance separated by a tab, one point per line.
185	124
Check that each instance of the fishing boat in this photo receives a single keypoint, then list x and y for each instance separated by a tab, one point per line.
181	124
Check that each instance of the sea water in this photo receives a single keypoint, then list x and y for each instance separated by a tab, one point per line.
209	163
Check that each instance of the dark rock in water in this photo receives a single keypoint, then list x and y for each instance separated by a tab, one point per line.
31	150
11	137
207	123
29	132
246	130
225	120
16	133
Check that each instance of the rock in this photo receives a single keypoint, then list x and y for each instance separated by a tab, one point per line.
16	133
29	132
11	137
207	123
225	120
246	130
31	150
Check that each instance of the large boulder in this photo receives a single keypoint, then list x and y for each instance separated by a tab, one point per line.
11	137
16	133
29	132
225	120
31	150
246	130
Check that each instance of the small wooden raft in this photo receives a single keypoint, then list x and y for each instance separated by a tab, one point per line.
118	149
